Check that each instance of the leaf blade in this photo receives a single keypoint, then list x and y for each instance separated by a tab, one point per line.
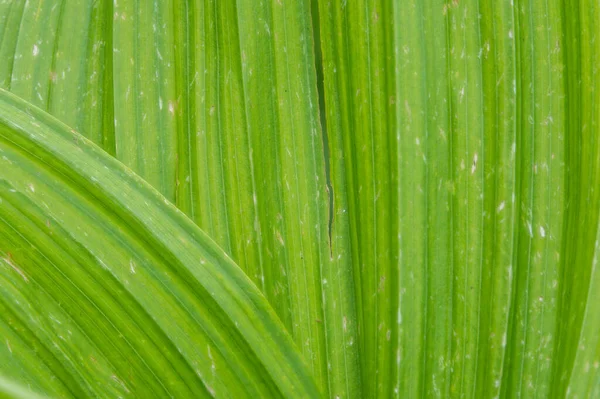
97	185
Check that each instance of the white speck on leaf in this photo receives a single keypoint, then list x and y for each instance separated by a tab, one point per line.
213	367
118	381
15	268
500	207
279	238
36	50
474	167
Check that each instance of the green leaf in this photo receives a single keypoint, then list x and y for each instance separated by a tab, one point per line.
455	134
215	105
57	55
108	290
412	185
576	371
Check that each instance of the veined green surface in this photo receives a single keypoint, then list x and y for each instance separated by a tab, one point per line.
460	272
108	290
358	113
577	368
215	105
56	54
424	220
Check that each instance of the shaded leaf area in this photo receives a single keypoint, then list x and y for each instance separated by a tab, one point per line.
109	290
215	104
464	136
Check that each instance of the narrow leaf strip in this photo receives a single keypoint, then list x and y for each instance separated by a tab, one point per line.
359	97
576	372
455	177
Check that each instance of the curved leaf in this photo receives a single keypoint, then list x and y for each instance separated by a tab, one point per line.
108	290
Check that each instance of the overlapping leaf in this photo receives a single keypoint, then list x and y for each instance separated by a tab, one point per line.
108	290
424	224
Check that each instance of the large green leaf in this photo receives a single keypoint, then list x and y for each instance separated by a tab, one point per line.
465	145
108	290
412	184
215	104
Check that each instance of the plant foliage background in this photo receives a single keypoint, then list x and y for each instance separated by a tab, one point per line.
237	198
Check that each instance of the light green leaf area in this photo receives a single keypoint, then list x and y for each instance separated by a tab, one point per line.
108	290
9	389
